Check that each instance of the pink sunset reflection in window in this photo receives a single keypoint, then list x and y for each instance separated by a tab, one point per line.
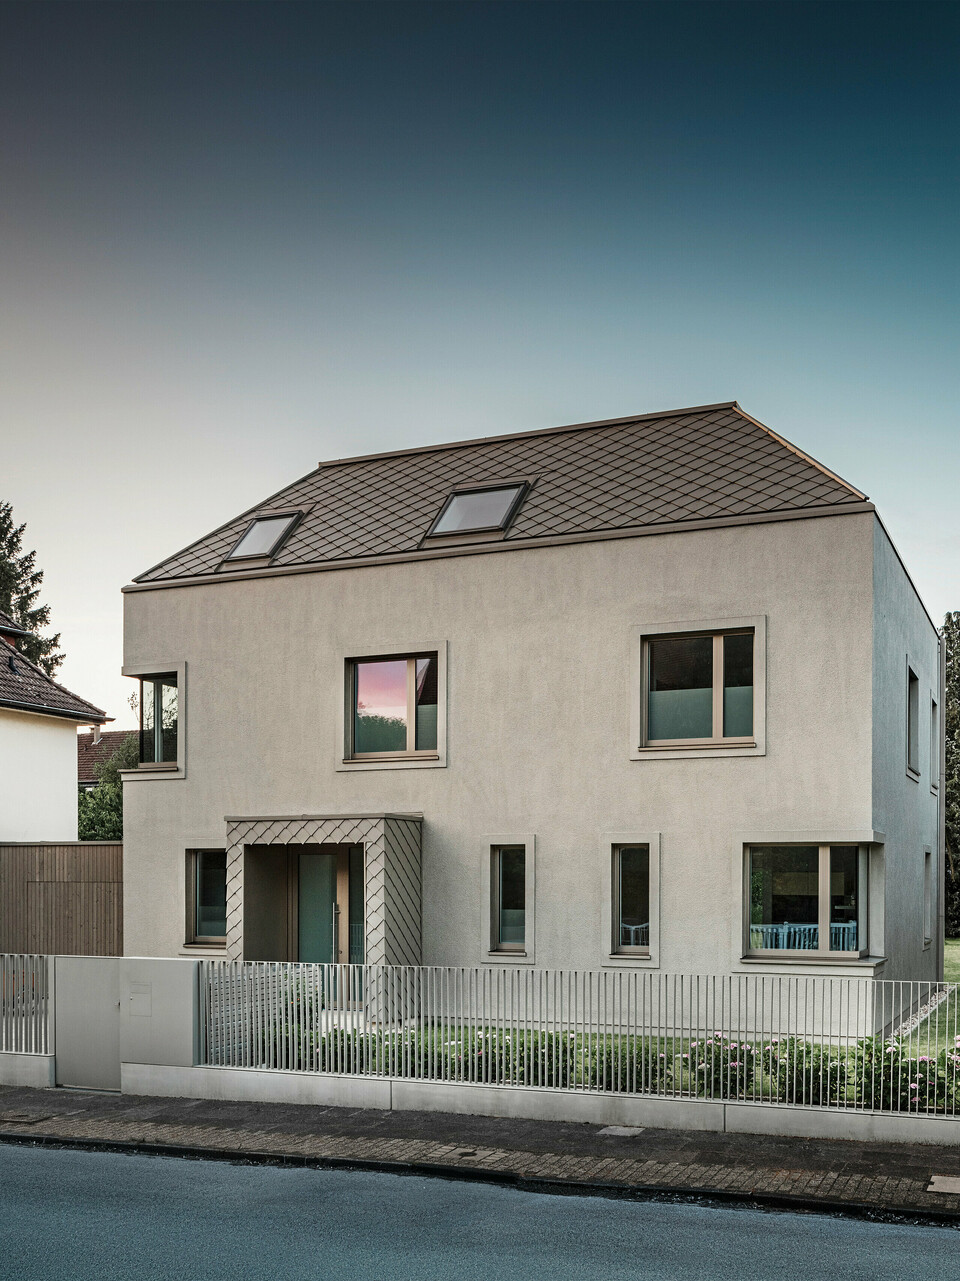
382	689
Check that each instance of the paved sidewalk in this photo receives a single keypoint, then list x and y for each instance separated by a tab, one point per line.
859	1178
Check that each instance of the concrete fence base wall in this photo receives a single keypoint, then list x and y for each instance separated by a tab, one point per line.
38	1071
401	1095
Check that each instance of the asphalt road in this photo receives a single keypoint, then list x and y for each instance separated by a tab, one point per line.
67	1216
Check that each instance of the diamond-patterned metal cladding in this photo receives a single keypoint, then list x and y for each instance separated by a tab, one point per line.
654	471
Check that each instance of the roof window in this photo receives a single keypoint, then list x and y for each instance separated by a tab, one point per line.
263	536
471	510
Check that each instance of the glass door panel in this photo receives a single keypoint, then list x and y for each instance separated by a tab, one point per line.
315	914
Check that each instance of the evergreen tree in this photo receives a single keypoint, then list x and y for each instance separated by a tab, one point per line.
951	725
19	589
100	811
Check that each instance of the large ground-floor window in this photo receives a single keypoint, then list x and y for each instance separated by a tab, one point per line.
805	898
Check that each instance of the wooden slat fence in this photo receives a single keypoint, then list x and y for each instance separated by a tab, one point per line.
64	899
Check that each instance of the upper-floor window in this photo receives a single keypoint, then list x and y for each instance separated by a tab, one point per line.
934	745
394	706
475	510
806	899
159	719
913	723
699	688
263	536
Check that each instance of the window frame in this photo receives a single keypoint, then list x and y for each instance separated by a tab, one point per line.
191	937
929	898
295	515
521	484
934	744
150	671
912	735
640	748
492	846
823	955
611	957
346	759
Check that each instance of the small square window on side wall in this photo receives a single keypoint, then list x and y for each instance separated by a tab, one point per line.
161	699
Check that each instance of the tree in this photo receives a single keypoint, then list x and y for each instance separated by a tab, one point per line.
19	589
951	725
100	811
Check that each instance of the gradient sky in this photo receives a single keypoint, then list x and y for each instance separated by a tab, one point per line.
239	238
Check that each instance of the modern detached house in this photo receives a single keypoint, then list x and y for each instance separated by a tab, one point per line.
656	692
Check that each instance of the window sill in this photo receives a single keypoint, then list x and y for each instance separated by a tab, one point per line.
204	949
676	752
913	774
510	958
836	960
429	761
630	961
171	770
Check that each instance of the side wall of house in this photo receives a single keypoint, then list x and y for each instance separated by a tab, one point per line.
539	696
905	802
38	777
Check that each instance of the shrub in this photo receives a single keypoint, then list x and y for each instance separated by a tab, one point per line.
886	1076
626	1064
804	1073
720	1068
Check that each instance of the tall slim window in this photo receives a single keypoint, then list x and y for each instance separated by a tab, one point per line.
934	745
394	705
806	898
699	688
929	898
207	891
913	722
631	891
508	909
159	716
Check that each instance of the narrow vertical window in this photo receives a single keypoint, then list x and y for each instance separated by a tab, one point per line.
509	898
913	722
929	898
934	745
631	890
207	883
159	717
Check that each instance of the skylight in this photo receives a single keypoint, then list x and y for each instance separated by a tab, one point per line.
477	509
263	537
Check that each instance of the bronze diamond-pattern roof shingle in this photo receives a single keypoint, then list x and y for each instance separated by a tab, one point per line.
655	470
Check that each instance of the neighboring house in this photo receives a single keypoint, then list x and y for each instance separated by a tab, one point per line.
651	693
38	747
95	749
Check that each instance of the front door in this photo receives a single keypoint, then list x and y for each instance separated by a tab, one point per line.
329	900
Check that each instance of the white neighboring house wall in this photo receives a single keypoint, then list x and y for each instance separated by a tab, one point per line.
38	777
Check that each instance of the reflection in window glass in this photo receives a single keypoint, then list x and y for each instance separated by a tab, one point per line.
785	897
482	509
511	898
262	537
380	710
633	896
681	688
844	898
738	686
211	894
426	698
159	717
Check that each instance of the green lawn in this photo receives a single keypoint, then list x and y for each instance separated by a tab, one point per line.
951	960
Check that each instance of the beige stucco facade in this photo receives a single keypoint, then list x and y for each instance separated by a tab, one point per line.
38	778
540	679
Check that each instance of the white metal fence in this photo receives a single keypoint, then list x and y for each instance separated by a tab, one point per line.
25	1006
822	1042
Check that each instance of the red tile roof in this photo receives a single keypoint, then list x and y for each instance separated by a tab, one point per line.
91	754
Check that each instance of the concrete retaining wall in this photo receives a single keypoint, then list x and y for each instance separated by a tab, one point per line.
34	1070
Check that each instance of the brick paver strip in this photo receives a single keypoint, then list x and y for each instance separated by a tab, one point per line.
783	1171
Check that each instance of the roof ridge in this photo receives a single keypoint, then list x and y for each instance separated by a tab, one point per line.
527	435
801	453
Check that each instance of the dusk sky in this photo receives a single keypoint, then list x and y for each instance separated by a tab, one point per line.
239	238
